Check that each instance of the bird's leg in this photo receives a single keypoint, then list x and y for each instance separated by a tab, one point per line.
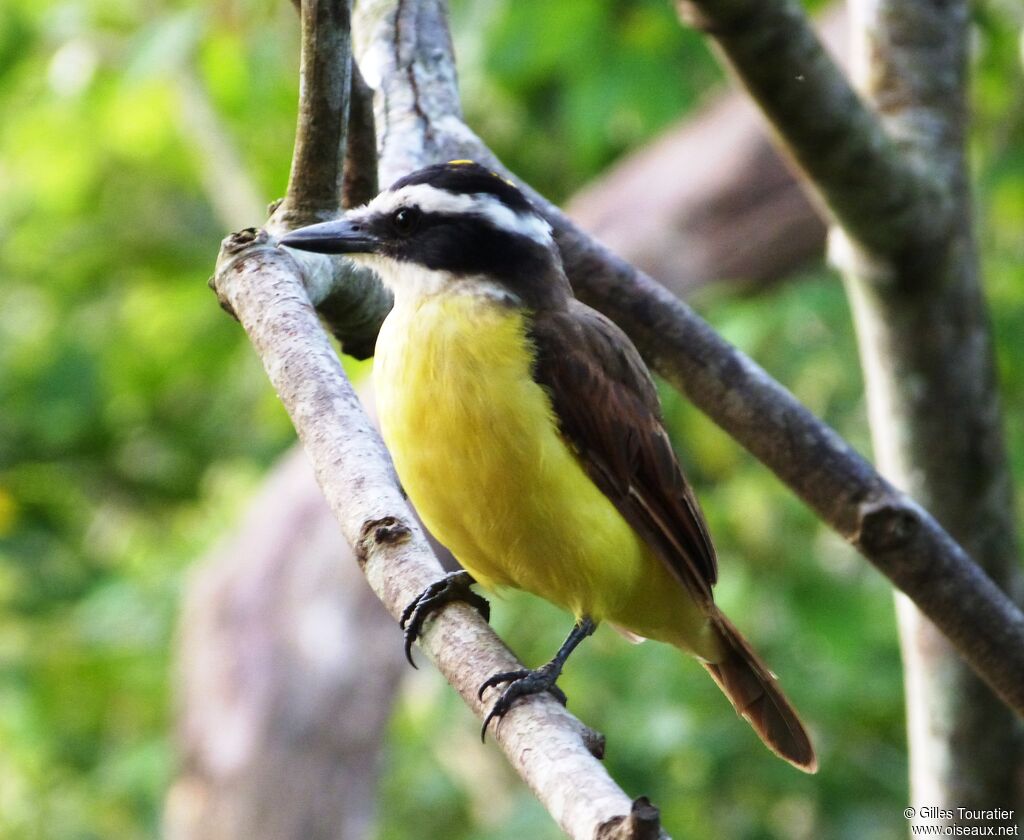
454	586
525	682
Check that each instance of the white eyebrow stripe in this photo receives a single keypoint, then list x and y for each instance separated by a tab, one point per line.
432	200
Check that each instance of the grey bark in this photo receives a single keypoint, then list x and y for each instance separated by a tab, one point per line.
933	398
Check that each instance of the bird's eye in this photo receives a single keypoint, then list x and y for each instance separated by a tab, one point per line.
405	220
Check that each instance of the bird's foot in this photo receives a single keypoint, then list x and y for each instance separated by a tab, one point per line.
452	587
524	683
521	683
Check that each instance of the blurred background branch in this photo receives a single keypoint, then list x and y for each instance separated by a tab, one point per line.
287	671
933	395
315	185
719	203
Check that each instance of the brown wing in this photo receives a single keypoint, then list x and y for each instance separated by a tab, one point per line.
608	411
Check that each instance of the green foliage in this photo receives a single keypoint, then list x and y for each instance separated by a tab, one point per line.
135	419
135	422
559	101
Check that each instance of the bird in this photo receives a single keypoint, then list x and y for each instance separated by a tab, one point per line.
527	432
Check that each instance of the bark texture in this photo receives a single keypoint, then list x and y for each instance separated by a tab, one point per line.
932	395
325	77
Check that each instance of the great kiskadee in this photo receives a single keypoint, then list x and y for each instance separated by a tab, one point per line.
527	432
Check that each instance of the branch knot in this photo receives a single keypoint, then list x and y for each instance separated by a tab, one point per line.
375	533
642	823
886	525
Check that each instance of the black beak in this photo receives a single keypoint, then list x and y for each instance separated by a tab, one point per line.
341	236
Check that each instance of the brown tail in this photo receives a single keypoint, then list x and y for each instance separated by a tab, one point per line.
754	692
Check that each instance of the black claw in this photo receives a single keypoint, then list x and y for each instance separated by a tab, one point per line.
521	683
498	679
524	683
452	587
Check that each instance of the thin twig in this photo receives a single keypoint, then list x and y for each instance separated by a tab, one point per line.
315	184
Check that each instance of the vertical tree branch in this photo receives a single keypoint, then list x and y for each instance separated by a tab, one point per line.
932	394
731	212
359	179
325	69
351	298
353	303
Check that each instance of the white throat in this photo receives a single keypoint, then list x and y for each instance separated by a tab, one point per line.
411	283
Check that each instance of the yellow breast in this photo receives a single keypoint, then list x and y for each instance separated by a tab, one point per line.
477	449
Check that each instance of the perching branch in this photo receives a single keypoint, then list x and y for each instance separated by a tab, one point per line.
269	292
553	752
405	53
